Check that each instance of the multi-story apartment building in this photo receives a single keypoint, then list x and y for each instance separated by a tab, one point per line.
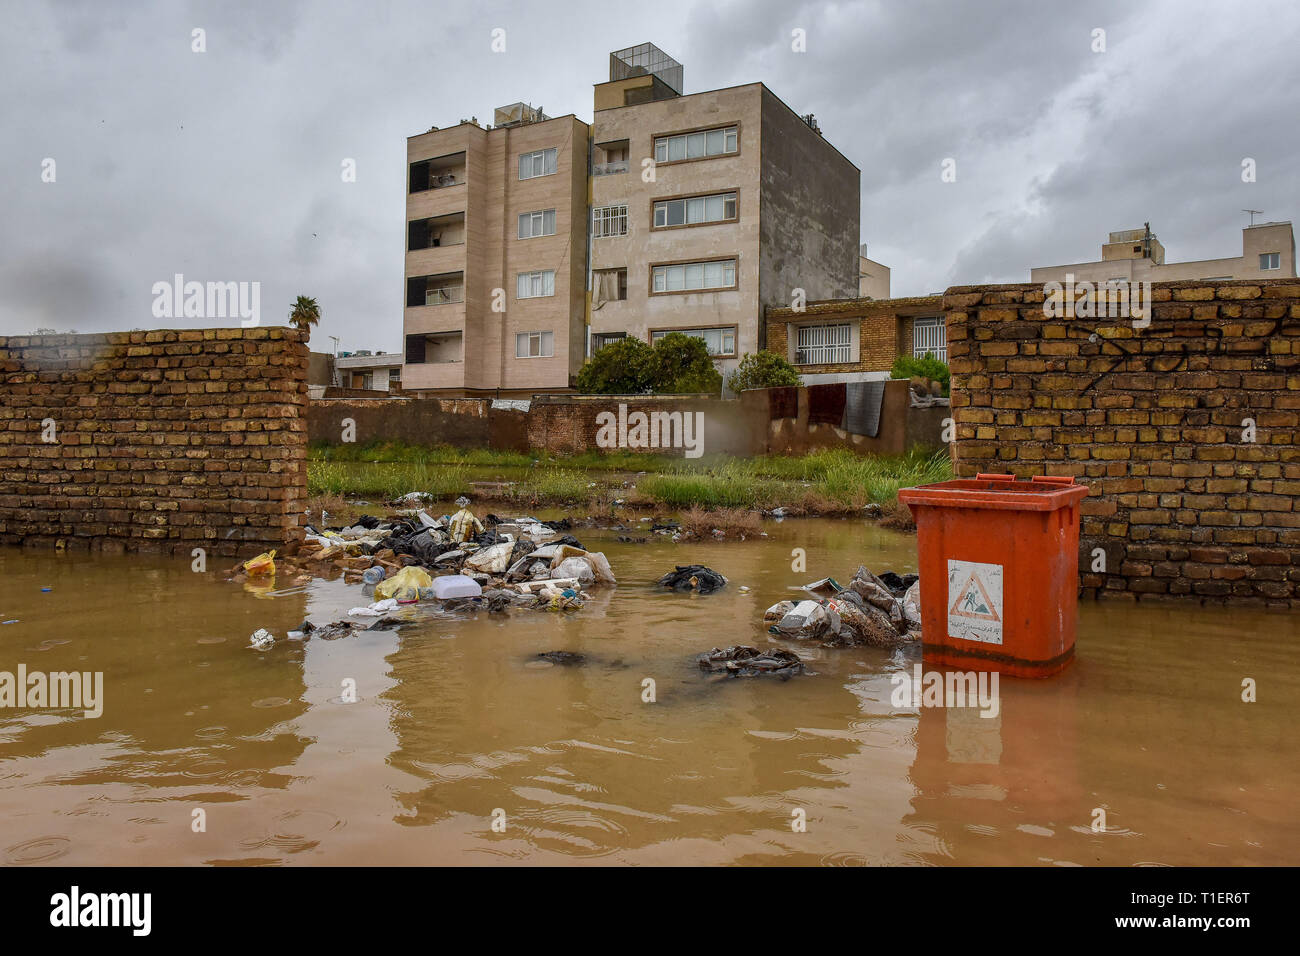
1136	255
533	243
709	207
496	247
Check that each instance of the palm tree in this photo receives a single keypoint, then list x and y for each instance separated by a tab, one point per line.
304	314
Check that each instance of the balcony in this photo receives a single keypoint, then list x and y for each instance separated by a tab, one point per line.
434	360
435	290
440	173
436	245
610	159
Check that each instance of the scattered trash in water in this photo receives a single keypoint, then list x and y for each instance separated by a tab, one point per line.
47	589
261	639
693	577
875	611
264	563
563	658
745	661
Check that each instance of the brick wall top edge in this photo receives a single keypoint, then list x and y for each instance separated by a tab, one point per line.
862	307
84	339
1179	284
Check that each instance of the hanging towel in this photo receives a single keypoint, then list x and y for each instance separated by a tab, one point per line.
862	404
826	404
783	402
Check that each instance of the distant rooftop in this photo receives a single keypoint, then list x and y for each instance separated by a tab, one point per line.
645	59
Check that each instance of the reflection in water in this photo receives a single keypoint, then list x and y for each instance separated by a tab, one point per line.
453	721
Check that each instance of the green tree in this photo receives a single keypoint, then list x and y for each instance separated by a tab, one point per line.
682	364
762	370
624	367
927	366
304	314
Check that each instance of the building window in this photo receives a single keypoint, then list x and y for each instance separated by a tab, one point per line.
608	285
534	224
720	342
533	285
695	210
534	345
1270	260
540	163
601	339
394	376
824	345
930	335
695	276
608	221
710	142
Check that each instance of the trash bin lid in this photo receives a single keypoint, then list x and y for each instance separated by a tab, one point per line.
999	493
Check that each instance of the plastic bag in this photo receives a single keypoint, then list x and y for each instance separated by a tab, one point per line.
264	563
410	577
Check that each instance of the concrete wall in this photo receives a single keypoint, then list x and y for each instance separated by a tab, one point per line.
463	422
901	426
1155	421
567	424
810	212
162	441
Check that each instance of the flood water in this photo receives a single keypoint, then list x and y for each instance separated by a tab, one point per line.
455	719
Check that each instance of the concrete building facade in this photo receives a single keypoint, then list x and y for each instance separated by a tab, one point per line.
670	212
1137	255
496	255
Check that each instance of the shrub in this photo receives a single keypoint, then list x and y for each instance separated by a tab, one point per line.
625	367
927	366
762	370
682	364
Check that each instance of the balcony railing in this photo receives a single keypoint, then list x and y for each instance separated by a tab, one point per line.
609	169
444	296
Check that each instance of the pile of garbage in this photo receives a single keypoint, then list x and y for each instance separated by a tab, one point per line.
453	560
745	661
882	611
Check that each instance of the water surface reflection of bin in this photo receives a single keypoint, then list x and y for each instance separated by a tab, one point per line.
999	565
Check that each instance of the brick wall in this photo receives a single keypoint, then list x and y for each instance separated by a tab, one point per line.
164	440
1183	503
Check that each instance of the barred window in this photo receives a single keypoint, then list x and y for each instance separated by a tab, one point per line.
824	345
608	221
930	335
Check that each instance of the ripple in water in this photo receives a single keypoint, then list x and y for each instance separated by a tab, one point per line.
40	850
271	702
297	830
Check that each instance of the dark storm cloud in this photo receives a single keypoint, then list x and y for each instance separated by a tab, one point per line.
225	165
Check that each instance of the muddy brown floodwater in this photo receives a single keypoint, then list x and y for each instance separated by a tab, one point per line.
455	719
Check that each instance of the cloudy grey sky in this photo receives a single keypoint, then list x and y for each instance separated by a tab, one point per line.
225	165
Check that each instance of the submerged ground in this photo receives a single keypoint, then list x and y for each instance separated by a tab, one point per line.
457	719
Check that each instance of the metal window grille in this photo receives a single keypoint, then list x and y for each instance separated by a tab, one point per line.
823	345
609	221
930	335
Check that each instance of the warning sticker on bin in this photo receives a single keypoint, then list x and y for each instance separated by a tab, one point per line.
975	601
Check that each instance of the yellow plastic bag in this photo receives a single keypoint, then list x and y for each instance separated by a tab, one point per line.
411	577
264	563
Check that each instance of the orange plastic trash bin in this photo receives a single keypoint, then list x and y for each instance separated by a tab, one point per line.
999	566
